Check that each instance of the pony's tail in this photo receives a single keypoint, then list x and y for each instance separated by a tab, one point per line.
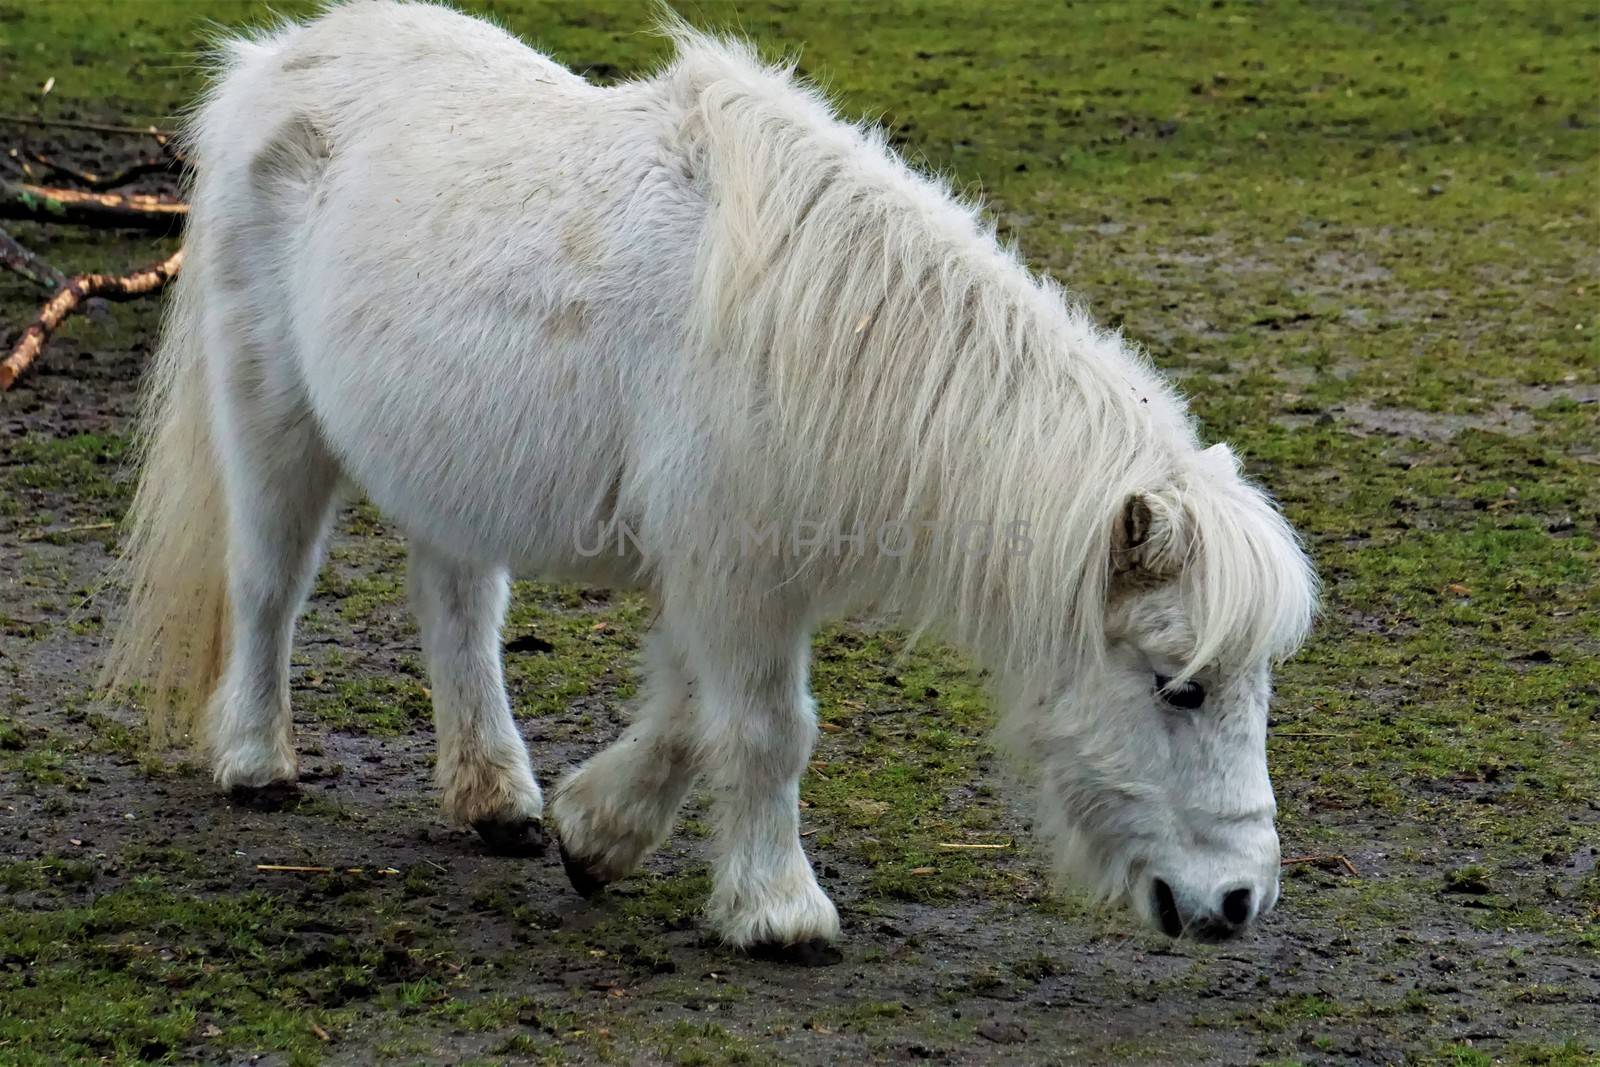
173	633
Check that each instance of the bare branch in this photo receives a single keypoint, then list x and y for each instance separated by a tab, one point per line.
90	180
110	286
19	260
161	136
22	200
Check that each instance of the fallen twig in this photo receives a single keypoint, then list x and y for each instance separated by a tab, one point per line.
40	535
19	260
161	136
1322	860
953	845
67	300
101	182
291	868
1313	733
141	211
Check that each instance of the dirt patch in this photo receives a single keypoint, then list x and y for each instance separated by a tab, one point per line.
1513	414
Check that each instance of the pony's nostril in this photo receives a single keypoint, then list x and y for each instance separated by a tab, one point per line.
1236	907
1167	910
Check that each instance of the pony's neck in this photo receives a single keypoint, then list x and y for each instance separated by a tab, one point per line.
910	369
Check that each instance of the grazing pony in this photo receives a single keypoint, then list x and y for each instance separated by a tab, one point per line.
694	334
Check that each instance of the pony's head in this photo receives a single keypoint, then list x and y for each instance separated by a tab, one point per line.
1153	755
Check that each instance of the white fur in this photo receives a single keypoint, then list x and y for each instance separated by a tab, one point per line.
516	309
620	805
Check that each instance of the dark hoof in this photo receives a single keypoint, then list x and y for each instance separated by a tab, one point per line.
278	796
813	953
578	874
519	837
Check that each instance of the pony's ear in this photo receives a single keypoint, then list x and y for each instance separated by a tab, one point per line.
1151	536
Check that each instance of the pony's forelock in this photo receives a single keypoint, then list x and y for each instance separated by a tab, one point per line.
1249	587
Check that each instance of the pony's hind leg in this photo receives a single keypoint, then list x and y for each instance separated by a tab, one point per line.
615	809
280	482
483	765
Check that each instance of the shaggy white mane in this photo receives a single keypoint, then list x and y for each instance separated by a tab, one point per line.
926	374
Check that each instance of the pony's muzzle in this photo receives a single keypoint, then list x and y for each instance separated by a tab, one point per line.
1222	916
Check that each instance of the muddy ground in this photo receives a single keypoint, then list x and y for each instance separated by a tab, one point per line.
1412	371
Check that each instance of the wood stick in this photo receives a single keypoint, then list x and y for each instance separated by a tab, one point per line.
292	868
1312	733
161	136
40	535
959	845
140	211
71	296
1322	858
101	182
19	260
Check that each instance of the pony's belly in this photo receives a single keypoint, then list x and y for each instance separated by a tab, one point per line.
499	472
479	520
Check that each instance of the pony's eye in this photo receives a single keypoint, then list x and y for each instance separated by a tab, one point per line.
1188	696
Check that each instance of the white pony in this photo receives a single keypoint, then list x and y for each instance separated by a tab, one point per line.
523	313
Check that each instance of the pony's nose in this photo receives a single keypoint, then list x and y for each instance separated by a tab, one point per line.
1236	906
1228	917
1167	913
1219	918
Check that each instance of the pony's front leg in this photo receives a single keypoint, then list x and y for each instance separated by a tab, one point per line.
483	765
756	727
612	811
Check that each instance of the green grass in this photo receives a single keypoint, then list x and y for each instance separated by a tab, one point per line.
99	994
